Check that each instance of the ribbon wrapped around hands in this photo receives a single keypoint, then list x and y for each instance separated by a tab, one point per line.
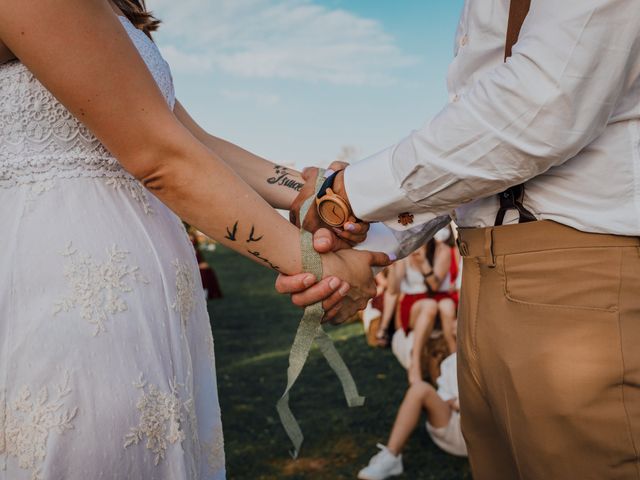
310	330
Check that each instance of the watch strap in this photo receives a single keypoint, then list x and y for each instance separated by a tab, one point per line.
326	184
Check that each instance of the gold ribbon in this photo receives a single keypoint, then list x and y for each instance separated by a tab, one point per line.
310	330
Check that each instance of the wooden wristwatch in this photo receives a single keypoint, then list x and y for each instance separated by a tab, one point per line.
332	208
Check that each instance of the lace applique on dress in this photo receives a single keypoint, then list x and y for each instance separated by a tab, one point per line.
163	418
96	287
28	421
135	189
214	450
34	192
185	291
192	423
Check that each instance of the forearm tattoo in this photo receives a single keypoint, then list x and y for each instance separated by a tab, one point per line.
252	237
232	235
284	178
265	260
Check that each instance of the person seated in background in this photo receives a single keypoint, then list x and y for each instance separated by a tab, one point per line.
443	422
416	278
380	311
444	290
377	316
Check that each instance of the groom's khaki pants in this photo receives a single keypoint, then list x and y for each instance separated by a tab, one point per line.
549	353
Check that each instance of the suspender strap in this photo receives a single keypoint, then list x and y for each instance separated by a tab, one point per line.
511	199
517	13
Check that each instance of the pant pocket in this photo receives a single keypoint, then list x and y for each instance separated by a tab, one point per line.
554	379
577	278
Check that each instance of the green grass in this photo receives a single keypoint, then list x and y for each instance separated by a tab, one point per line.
253	330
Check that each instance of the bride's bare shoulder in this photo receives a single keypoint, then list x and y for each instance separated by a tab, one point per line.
5	53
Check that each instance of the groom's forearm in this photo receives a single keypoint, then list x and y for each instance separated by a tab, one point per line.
395	243
277	184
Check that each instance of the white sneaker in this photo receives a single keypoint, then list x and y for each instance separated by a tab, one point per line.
382	465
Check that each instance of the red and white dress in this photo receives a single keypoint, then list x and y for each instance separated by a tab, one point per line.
413	289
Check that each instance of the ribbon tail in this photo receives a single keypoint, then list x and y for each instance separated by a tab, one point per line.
290	424
335	361
307	331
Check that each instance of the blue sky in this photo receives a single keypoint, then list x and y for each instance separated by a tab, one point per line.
298	80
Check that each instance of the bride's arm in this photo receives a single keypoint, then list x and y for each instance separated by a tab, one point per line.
276	184
80	52
280	186
5	54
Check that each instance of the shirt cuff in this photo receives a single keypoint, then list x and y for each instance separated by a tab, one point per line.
400	244
376	196
381	239
372	189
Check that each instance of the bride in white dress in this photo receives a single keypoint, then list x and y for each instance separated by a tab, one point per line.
107	367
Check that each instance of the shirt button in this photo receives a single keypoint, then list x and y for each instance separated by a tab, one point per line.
464	40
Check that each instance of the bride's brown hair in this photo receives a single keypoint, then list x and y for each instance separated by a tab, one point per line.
137	13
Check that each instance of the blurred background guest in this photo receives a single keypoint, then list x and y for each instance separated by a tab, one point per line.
444	290
380	311
425	283
443	422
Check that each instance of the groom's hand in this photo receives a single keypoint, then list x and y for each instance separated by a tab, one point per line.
334	293
352	232
325	241
354	267
355	289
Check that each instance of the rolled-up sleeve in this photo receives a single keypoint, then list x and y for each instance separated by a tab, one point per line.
551	99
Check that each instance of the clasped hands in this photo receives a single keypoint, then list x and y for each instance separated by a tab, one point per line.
347	283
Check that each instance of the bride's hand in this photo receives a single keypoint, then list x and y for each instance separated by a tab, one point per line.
351	266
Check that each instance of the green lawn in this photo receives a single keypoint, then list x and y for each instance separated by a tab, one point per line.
253	329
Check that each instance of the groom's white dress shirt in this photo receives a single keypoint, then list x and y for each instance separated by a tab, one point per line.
562	114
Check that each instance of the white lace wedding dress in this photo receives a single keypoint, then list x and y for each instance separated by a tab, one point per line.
107	366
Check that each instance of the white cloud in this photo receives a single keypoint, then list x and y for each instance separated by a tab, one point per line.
260	99
292	39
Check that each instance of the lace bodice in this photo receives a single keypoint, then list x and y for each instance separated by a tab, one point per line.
41	140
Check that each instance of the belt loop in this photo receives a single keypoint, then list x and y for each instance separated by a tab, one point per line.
463	248
488	247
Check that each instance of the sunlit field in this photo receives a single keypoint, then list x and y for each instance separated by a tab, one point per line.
253	329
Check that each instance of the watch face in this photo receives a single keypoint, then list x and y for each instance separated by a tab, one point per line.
332	213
